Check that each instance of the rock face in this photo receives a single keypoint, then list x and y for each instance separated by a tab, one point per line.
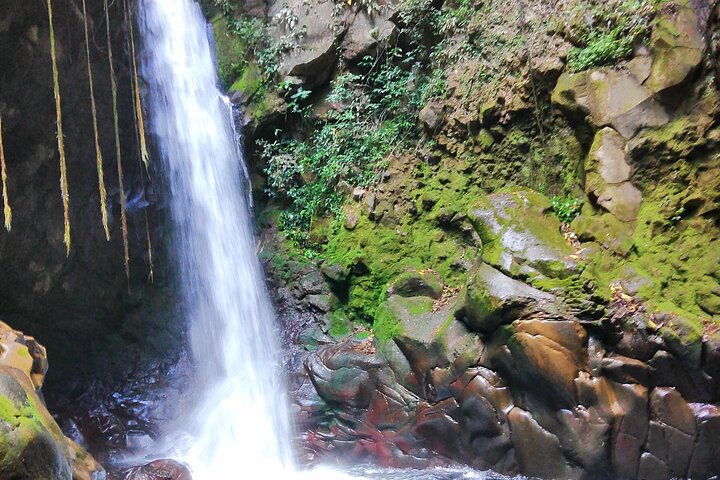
534	393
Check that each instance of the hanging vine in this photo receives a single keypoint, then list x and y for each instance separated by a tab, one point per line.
98	152
118	157
6	202
139	129
60	139
138	102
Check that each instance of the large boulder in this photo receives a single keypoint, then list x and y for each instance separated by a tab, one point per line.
677	46
492	298
31	443
520	237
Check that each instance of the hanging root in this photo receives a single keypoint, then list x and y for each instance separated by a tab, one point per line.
6	203
98	152
136	86
139	130
118	157
60	139
151	275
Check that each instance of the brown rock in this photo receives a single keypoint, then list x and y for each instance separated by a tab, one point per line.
705	461
669	407
537	451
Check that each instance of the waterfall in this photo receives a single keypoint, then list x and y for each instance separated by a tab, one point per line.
241	420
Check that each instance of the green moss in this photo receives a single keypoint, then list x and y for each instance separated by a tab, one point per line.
340	325
386	325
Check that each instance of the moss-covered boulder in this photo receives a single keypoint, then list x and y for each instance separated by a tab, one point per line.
492	298
31	444
677	46
609	97
417	283
520	237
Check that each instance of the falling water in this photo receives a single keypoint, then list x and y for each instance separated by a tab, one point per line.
239	428
242	421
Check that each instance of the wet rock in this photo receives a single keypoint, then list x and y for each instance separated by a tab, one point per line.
625	370
538	451
492	298
547	357
84	466
159	470
626	407
24	353
705	461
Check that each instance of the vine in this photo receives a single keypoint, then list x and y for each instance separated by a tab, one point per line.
93	109
118	157
60	139
6	203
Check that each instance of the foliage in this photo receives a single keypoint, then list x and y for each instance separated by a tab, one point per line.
610	35
566	208
371	112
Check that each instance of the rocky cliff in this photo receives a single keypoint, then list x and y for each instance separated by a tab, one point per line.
492	227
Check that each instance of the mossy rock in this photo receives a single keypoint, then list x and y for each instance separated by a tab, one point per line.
681	331
417	283
519	236
31	444
491	299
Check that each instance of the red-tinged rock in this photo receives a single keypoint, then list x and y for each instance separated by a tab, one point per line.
159	470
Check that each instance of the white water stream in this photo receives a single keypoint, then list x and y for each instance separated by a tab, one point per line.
243	418
240	427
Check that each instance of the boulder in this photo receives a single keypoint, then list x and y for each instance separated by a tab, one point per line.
32	445
159	470
608	174
610	97
537	451
431	116
492	298
519	237
705	461
677	46
547	357
417	283
24	353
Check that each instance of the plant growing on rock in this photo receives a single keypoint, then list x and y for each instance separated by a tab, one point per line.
566	208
